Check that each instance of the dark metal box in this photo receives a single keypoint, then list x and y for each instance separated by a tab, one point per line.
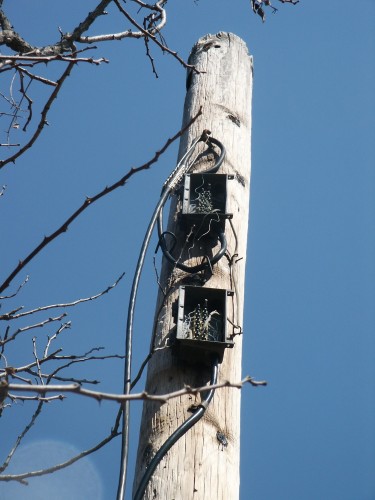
202	323
205	199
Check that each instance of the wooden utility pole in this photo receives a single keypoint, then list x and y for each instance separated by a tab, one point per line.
204	463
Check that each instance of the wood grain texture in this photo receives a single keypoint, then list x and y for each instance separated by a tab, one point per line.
198	466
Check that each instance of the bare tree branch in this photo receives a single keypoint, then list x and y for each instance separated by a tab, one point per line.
90	201
80	359
21	436
11	372
90	19
7	339
151	33
65	51
10	38
17	291
21	477
162	18
14	41
51	58
257	6
11	316
43	120
37	362
48	399
36	77
120	398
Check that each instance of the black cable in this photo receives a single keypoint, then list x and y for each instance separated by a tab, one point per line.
221	235
168	186
198	267
220	160
178	433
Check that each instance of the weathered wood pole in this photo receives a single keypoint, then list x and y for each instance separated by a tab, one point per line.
204	463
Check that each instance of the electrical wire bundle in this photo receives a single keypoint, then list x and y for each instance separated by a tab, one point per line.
169	186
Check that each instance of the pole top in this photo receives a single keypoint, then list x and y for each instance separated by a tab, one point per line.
209	41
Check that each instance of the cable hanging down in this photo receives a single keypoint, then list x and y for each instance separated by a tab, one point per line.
170	184
178	433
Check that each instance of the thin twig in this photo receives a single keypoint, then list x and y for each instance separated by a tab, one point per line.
24	94
158	6
62	327
48	399
20	286
37	362
9	316
43	119
7	339
46	59
74	359
21	477
41	79
81	359
22	435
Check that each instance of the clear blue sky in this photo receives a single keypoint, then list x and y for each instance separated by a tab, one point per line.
309	316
